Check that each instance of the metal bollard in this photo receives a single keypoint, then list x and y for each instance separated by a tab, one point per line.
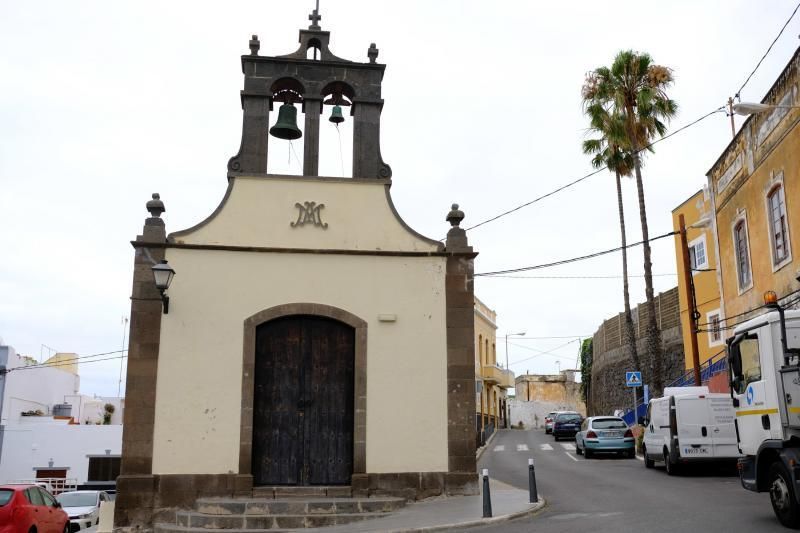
533	493
487	496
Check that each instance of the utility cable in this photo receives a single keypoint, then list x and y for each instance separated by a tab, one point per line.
573	259
589	175
739	92
581	277
548	352
36	367
70	361
786	305
748	311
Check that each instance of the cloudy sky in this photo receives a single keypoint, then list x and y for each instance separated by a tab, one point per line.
103	103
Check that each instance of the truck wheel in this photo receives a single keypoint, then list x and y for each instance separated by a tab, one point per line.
671	468
648	463
781	495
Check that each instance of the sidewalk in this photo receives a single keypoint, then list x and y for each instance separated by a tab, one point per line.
442	514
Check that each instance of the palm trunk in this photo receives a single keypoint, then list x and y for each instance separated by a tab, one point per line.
630	334
654	347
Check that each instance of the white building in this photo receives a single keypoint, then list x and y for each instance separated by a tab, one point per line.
48	429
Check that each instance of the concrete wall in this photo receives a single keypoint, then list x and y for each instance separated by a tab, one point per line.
532	413
37	440
198	394
610	362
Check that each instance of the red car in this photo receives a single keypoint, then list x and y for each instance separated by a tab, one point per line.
29	509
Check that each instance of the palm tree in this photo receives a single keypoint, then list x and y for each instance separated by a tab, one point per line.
635	88
607	153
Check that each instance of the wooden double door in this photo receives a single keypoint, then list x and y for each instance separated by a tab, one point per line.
303	402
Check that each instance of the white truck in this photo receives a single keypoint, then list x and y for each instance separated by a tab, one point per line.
689	425
764	366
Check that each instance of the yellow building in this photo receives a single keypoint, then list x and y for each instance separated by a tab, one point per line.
756	201
697	212
491	381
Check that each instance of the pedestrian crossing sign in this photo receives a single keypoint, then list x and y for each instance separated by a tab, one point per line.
633	379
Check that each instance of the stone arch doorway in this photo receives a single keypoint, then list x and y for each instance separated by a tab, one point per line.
304	396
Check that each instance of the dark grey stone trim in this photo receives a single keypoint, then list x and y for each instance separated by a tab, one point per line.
439	245
172	236
143	350
330	179
258	249
460	301
360	378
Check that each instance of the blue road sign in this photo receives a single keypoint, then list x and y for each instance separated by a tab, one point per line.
633	379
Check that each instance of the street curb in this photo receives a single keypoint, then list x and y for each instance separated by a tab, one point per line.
482	449
532	511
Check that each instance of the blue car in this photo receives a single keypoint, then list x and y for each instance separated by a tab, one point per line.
605	434
566	424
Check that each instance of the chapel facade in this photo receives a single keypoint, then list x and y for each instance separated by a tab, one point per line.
309	337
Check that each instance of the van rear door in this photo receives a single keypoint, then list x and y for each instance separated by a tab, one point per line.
694	431
723	430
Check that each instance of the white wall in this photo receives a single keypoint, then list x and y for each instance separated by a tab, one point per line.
37	440
198	391
32	389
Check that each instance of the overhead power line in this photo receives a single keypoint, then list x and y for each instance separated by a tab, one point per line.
738	93
589	175
581	277
541	352
69	362
572	259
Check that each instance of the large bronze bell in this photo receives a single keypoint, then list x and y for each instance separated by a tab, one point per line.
336	115
286	126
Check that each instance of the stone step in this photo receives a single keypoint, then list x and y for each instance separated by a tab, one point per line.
281	491
204	522
293	506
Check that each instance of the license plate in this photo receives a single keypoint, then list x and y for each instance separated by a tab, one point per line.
612	434
695	451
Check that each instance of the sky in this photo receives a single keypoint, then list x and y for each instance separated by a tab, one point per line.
103	103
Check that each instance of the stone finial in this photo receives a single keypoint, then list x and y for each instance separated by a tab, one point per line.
457	237
455	216
255	45
372	52
156	206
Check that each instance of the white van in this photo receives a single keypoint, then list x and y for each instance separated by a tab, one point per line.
688	425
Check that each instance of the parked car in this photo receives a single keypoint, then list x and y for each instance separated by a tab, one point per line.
566	424
605	434
548	422
26	507
83	507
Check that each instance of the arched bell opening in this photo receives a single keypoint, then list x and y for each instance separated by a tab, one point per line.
336	130
286	128
314	50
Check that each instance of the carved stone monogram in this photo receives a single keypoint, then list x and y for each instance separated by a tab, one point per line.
309	213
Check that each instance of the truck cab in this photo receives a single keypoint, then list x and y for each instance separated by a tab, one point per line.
764	366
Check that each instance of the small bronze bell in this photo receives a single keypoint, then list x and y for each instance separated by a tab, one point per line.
286	126
336	115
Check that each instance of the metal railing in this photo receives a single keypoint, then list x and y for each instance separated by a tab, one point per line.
710	368
55	485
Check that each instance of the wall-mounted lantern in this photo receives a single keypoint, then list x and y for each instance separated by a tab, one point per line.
163	274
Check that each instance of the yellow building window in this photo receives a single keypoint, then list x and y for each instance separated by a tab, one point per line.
742	252
777	225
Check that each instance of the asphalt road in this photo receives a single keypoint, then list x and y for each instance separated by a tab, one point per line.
617	494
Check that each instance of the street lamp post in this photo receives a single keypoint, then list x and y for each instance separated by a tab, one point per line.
507	335
508	369
751	108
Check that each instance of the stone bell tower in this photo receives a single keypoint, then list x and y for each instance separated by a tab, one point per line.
313	83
